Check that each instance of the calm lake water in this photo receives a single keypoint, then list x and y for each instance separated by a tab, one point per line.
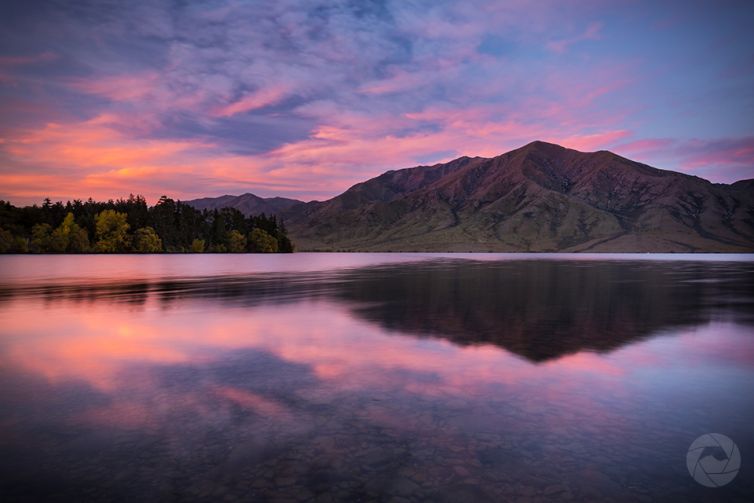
361	377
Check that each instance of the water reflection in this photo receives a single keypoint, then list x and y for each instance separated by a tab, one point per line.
537	309
543	310
443	380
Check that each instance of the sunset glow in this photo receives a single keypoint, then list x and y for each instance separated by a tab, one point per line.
302	99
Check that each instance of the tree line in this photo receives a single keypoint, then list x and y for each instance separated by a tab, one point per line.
131	226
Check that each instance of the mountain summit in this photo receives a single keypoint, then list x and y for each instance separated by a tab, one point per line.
540	197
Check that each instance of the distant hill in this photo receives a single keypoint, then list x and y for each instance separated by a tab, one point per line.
540	197
248	204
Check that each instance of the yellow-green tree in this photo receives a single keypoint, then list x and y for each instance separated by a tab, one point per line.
197	246
236	242
69	237
40	238
261	241
146	240
112	232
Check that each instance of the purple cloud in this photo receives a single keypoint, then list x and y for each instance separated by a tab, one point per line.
302	98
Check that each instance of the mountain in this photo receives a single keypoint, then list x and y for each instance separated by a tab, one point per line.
248	204
540	197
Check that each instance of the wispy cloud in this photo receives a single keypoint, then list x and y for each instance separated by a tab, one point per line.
16	60
592	32
253	101
303	98
720	159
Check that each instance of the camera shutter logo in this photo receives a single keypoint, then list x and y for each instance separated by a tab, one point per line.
713	460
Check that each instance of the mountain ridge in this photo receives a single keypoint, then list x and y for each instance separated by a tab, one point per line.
247	203
541	197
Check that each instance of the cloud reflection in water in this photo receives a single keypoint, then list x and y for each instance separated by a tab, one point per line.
445	379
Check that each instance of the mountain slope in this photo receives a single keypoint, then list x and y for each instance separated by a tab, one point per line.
541	197
248	204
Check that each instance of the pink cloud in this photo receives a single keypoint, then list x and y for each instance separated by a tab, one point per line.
422	84
118	87
365	123
400	81
721	159
592	32
252	101
346	146
27	60
739	151
591	142
644	145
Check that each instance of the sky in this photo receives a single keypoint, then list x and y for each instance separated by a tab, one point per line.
304	98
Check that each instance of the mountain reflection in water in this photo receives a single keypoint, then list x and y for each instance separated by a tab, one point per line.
537	309
424	379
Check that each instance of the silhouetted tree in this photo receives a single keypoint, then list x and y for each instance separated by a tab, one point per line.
6	241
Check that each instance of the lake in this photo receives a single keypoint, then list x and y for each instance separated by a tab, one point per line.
363	377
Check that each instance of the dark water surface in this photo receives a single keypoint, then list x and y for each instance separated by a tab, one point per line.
362	377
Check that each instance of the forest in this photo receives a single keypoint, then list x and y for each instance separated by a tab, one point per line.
131	226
